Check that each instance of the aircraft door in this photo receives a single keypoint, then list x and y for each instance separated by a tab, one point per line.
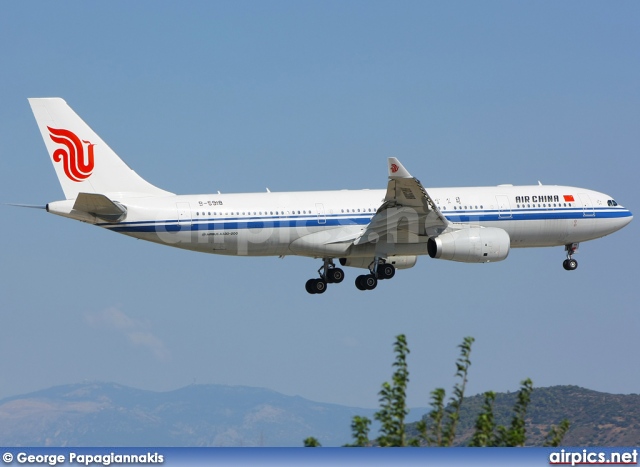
184	213
504	208
322	218
587	207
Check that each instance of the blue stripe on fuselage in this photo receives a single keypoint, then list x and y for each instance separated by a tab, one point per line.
235	223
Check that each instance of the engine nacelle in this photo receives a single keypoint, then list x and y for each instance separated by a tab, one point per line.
474	245
400	262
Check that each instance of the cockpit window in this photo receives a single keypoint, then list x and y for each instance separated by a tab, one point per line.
611	202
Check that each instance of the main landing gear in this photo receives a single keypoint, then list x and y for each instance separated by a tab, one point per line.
329	274
379	271
570	264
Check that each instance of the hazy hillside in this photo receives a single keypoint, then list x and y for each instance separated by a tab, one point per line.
103	414
597	419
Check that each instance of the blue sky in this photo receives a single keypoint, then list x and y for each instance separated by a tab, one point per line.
239	96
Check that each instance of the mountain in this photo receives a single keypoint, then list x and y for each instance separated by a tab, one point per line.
596	418
103	414
106	414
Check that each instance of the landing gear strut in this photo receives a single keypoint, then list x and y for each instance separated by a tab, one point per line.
570	264
379	271
329	274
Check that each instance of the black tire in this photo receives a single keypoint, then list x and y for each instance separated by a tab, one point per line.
335	275
319	286
310	286
360	283
572	264
386	271
370	282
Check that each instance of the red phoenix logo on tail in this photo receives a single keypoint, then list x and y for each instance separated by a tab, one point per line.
394	168
77	166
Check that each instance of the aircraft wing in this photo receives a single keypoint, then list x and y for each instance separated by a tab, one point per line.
407	214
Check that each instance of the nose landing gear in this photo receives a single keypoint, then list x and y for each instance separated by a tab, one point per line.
570	264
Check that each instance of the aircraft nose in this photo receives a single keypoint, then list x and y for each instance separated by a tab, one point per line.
624	221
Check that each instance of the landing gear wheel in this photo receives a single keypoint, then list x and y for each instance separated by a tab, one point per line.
335	275
360	283
386	271
369	282
314	286
309	286
319	286
570	264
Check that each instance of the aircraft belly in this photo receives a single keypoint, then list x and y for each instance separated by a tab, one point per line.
245	242
535	233
387	249
334	242
552	232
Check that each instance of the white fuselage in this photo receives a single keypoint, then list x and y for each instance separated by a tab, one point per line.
324	223
378	230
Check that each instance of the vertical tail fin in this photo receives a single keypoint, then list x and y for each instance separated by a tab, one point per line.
83	162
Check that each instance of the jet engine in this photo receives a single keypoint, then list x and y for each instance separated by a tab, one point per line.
474	245
399	262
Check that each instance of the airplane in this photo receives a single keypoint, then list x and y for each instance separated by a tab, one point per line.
379	231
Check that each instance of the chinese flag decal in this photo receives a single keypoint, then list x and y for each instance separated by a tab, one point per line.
569	198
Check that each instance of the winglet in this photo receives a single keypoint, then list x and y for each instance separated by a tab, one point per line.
396	169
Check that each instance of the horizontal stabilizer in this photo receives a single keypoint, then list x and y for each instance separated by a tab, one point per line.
100	206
